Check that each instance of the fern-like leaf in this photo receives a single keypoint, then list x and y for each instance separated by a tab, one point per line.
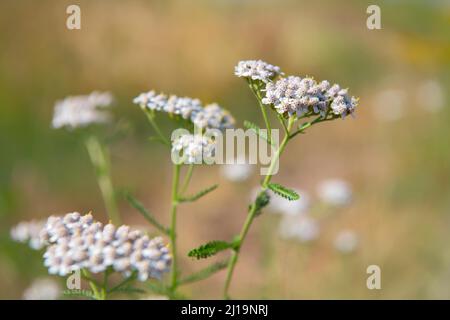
198	195
209	249
283	191
204	273
145	213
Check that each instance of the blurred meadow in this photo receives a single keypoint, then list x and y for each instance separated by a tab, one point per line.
395	154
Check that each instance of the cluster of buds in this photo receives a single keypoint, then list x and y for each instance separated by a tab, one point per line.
78	242
80	111
211	116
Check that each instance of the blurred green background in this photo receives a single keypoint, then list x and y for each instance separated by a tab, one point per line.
395	153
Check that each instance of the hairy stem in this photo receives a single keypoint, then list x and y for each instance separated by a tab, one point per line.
173	224
100	160
252	211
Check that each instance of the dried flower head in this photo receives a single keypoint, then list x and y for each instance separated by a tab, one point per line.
193	148
257	70
335	192
299	96
211	116
76	242
80	111
42	289
28	232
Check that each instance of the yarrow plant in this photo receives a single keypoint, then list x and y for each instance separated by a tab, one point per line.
78	242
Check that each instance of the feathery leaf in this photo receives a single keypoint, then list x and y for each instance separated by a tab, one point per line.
204	273
209	249
198	195
283	191
147	215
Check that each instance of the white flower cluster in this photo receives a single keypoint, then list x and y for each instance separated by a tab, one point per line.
298	96
192	149
257	70
28	232
77	242
80	111
42	289
211	116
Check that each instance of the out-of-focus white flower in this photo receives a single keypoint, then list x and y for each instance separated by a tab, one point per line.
389	105
299	96
431	96
211	116
346	241
257	70
28	232
238	171
335	192
193	148
42	289
300	227
284	206
80	111
76	242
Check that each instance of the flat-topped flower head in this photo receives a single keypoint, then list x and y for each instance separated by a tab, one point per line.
299	96
151	100
257	70
214	117
192	149
80	111
211	116
75	242
28	232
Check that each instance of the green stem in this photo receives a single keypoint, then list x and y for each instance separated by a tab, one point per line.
151	118
252	211
173	223
98	294
263	110
187	179
100	159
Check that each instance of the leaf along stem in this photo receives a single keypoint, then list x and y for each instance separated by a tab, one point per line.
99	157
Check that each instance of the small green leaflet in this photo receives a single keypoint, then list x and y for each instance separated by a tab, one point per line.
283	191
